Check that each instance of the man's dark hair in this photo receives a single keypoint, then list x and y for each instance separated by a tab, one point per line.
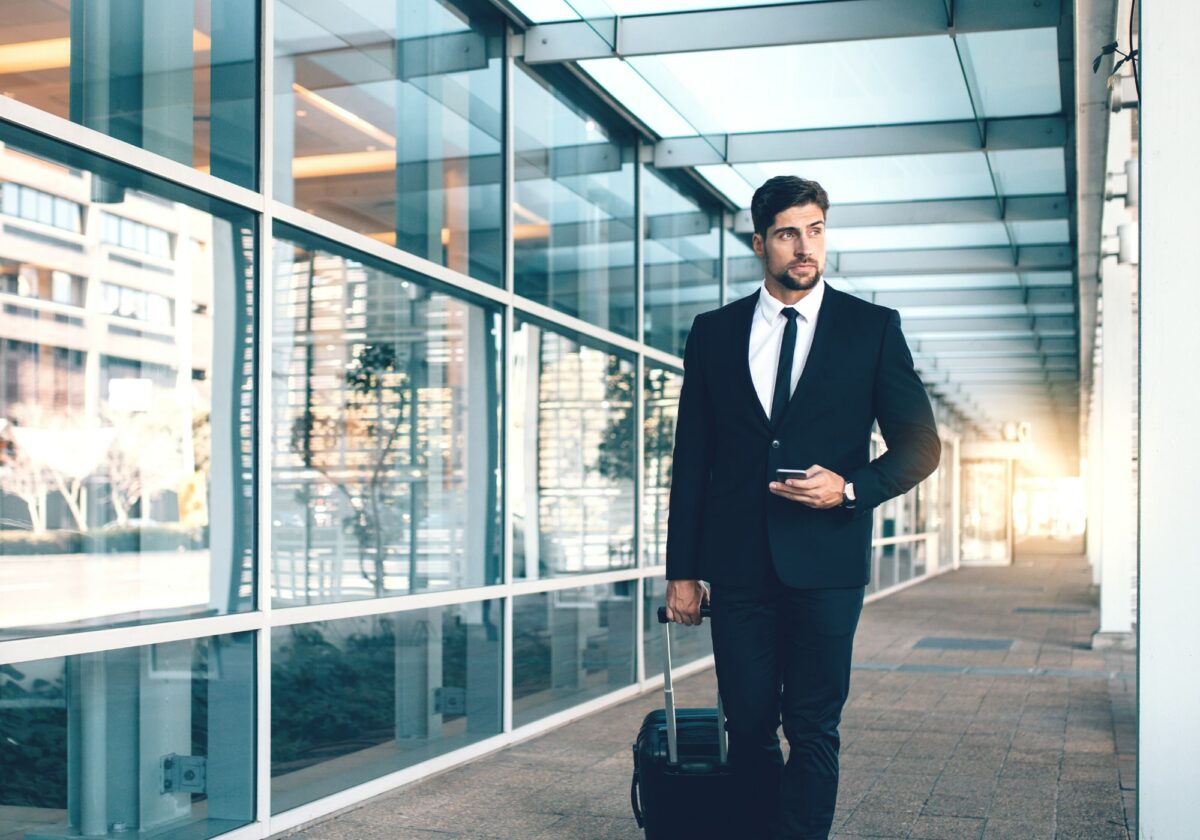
781	192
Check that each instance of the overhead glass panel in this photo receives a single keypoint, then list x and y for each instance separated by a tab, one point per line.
388	121
1047	232
387	424
730	182
652	7
1016	71
891	178
930	282
179	79
1029	171
639	96
573	210
571	476
358	698
546	11
682	261
127	355
899	237
898	80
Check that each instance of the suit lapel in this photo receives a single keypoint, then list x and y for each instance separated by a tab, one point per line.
819	353
745	311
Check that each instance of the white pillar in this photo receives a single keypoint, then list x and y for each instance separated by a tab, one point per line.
1118	500
1169	666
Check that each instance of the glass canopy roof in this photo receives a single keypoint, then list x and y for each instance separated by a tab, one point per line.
946	154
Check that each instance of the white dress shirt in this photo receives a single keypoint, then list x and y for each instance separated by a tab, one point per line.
766	338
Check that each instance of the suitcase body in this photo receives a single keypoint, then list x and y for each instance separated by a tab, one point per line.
685	789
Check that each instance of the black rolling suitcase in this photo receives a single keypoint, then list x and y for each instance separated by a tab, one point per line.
682	785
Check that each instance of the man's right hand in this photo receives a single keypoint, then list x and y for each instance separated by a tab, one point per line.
684	598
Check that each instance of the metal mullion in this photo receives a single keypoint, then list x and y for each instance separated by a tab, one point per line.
576	325
556	584
388	253
363	607
115	638
639	402
68	133
264	394
509	197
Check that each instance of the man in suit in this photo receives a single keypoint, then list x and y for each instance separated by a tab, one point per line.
791	377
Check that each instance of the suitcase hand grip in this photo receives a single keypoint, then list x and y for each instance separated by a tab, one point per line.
705	612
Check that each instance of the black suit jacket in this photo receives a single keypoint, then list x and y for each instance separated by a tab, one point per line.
724	524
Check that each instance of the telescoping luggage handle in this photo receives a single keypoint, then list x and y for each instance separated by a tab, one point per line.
669	697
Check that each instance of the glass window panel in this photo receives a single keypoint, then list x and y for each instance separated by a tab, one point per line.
573	215
876	82
1029	171
919	552
743	268
389	122
661	399
572	472
178	79
128	495
570	646
687	643
1016	71
358	698
900	237
152	741
904	562
12	199
683	262
387	428
66	215
45	208
893	178
934	282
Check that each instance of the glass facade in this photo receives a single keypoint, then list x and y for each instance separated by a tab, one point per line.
122	499
387	424
156	740
571	477
573	205
179	79
290	503
358	698
389	122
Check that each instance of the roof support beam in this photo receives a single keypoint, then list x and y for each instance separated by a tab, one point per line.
950	260
864	141
1028	208
793	23
973	297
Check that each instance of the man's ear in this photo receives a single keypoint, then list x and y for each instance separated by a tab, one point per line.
757	243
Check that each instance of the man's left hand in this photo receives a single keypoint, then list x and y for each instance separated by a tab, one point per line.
821	490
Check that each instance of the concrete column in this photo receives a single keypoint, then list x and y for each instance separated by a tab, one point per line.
1169	664
1117	500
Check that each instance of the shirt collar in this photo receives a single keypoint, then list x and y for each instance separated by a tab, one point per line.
769	307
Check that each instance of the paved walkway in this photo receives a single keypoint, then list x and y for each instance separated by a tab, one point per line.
977	710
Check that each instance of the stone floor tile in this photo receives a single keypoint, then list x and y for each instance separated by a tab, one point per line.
947	828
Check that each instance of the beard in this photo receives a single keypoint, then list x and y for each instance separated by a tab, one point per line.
803	284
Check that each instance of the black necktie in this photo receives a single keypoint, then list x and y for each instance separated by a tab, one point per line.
783	376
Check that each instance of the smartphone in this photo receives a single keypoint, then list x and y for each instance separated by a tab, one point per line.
782	475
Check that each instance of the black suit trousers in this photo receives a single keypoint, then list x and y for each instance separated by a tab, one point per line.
783	655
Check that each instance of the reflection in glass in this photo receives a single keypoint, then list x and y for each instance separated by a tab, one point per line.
682	261
126	408
387	427
388	122
570	646
572	472
357	698
153	741
179	79
986	512
660	392
573	214
687	643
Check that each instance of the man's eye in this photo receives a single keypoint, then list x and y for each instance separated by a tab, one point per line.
787	234
816	232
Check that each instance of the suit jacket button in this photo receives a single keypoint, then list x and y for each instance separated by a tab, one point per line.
774	444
